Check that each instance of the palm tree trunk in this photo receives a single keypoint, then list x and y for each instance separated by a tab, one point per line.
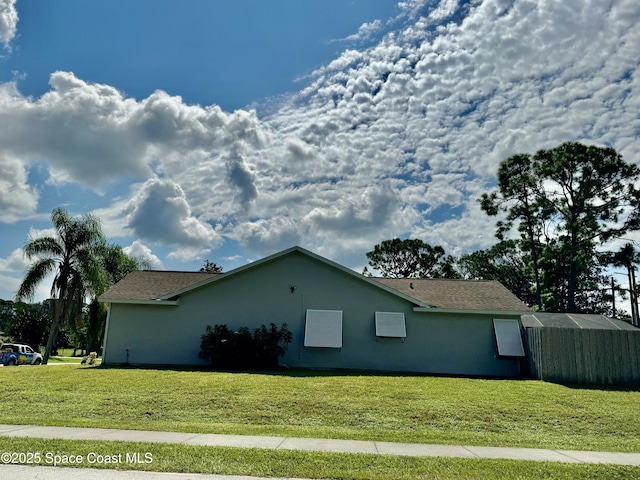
53	332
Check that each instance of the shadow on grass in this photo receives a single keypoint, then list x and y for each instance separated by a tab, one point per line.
302	372
311	372
601	387
284	372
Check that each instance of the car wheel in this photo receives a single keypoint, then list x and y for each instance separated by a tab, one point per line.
37	362
11	362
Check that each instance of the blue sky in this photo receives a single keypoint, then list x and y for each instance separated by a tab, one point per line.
230	130
229	53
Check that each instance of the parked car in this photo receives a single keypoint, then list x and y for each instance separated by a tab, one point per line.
15	354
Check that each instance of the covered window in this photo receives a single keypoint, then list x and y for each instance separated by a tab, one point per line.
390	324
323	328
508	337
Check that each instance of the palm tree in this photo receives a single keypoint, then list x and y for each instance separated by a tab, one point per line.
116	265
71	254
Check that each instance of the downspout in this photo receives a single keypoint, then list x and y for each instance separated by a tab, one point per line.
106	334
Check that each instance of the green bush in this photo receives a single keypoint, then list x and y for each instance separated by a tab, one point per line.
242	350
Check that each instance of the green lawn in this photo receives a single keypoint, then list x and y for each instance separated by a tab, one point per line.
330	405
268	463
59	359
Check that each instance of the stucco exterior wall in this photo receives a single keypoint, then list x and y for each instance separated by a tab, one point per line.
435	343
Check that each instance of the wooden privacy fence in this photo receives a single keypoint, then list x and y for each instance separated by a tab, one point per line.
573	355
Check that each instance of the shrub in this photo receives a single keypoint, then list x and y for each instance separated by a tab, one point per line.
242	350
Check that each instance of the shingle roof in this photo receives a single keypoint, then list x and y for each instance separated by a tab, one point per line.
574	320
143	285
151	285
486	295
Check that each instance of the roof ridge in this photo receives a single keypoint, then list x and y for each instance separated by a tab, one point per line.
436	278
177	271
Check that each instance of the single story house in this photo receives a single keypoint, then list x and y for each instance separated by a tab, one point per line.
340	319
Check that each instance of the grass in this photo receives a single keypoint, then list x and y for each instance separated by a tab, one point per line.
255	462
391	408
59	359
68	352
66	355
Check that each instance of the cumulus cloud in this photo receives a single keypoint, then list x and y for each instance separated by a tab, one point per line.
16	262
366	31
398	138
140	251
240	177
17	198
8	20
268	235
159	213
412	8
35	233
434	109
92	133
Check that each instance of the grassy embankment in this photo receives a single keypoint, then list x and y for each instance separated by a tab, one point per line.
329	405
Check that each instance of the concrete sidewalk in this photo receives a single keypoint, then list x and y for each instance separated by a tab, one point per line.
323	445
61	473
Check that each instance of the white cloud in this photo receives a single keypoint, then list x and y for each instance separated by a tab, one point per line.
435	111
12	271
139	250
35	233
159	213
8	20
239	176
17	198
444	10
268	235
365	31
9	286
411	8
16	262
91	133
396	139
112	221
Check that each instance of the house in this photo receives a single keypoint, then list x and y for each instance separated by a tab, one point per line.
339	318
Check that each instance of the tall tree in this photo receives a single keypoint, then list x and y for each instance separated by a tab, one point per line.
520	193
504	262
566	201
211	267
410	258
71	256
31	323
592	198
118	264
7	315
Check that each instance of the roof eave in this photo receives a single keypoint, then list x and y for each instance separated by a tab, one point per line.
470	310
142	302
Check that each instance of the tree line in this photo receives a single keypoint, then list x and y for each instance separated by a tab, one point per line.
558	212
